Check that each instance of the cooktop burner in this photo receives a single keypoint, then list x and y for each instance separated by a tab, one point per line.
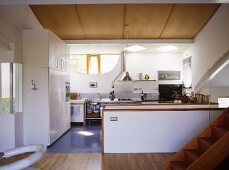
124	99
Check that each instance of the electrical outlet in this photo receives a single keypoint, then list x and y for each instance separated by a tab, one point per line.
113	118
135	89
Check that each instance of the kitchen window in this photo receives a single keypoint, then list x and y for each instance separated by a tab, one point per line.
223	102
93	63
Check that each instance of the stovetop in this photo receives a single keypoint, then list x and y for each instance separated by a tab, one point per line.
129	100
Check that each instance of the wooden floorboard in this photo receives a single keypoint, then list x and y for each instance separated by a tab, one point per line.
97	161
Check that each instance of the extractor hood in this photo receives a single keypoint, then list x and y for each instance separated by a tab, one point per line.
124	75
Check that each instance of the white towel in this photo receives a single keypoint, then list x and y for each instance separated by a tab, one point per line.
75	110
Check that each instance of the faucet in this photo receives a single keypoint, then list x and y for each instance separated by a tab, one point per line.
100	97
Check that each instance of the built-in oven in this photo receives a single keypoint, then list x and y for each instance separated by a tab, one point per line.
67	91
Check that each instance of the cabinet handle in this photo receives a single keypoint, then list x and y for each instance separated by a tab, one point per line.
56	62
62	64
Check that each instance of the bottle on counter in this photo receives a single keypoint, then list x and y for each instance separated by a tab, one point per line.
112	95
142	96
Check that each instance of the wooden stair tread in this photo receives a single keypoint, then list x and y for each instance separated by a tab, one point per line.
223	128
204	143
207	140
218	131
179	165
208	151
191	155
227	120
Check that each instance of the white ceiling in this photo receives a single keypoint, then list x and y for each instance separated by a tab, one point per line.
6	2
118	48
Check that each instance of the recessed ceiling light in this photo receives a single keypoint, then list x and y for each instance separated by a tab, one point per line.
167	48
135	48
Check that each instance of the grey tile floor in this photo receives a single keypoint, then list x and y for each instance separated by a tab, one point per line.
79	139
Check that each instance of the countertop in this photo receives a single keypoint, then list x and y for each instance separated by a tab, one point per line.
80	101
137	104
107	101
162	106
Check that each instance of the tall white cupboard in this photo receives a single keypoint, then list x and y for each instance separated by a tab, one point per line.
45	87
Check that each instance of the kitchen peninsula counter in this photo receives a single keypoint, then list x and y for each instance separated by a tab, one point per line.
153	127
163	106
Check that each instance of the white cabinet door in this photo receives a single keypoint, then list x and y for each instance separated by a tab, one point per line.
66	104
54	105
67	59
36	106
67	116
53	59
35	48
56	52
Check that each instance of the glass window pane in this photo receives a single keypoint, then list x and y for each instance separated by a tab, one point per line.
93	65
78	63
223	102
108	62
17	87
5	87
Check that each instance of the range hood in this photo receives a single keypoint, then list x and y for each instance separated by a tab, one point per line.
124	75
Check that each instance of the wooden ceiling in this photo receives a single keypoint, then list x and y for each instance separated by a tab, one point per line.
122	21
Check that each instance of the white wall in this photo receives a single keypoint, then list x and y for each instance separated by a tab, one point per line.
210	44
80	82
216	92
19	133
148	63
7	132
13	19
151	131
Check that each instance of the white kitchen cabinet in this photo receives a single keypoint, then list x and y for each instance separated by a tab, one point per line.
46	110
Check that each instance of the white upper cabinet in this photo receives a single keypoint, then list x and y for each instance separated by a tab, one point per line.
44	43
35	48
56	52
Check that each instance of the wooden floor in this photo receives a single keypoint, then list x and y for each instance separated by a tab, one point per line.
96	161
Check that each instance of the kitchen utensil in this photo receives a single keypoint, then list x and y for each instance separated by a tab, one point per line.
139	76
146	77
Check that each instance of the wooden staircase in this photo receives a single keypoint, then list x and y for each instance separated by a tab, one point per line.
207	150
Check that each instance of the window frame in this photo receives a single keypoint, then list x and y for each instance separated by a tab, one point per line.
88	60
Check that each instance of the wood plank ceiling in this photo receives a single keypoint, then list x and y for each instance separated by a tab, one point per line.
125	21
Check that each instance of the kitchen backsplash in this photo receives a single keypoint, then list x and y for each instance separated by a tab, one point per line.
149	96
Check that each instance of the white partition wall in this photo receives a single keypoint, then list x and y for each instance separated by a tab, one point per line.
151	131
7	131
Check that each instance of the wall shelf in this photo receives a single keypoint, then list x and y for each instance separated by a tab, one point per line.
144	80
